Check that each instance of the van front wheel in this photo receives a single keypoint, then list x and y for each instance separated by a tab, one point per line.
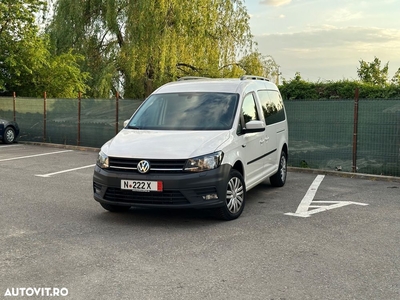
234	198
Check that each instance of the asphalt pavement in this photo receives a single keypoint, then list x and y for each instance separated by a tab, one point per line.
321	236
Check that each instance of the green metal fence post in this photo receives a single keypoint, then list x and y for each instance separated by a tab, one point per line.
355	131
79	118
14	99
44	116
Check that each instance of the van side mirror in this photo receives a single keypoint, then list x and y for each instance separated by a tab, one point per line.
126	123
254	126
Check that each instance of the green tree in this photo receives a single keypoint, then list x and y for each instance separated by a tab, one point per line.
256	63
135	46
16	29
372	72
61	76
396	77
26	65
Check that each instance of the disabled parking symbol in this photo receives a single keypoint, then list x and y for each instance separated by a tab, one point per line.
308	206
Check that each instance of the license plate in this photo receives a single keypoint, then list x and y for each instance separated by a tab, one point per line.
142	186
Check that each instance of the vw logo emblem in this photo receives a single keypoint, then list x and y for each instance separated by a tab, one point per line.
143	166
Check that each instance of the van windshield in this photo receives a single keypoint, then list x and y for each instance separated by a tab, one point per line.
186	111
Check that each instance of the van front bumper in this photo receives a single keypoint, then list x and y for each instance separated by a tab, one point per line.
182	190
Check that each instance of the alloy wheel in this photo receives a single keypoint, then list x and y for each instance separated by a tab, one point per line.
234	195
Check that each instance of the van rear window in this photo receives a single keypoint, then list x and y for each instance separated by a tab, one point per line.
272	106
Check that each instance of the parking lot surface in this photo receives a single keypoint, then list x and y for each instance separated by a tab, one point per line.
318	237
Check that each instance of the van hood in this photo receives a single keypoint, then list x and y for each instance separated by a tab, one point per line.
150	144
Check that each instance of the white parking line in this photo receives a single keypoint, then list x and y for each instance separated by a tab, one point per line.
64	171
36	155
16	145
304	210
309	196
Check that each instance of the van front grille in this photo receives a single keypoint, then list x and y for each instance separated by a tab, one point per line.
156	165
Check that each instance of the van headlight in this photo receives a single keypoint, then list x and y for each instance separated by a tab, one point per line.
204	163
102	160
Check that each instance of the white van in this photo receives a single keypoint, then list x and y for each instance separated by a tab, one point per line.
198	143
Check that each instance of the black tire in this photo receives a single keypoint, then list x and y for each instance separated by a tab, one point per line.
115	208
279	178
9	135
234	197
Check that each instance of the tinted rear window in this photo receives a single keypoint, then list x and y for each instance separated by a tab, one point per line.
272	106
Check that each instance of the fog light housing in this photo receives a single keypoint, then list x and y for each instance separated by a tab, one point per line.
97	188
210	197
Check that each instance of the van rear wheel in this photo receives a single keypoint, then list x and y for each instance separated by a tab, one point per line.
234	197
279	178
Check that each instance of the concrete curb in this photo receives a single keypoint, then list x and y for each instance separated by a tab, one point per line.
62	146
346	174
291	169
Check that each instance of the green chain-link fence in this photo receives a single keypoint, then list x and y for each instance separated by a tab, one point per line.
320	132
60	123
321	135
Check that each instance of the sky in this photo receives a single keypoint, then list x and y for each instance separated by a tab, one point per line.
325	40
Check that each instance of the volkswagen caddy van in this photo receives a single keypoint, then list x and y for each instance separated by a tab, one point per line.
196	143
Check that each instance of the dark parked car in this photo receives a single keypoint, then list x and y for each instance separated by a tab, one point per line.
9	131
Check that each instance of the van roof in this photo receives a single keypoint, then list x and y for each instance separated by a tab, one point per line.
223	85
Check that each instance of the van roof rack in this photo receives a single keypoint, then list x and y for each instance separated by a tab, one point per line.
253	77
191	78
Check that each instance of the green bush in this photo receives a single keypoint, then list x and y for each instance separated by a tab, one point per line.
299	89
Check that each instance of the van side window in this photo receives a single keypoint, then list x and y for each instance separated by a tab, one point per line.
249	109
248	112
272	106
